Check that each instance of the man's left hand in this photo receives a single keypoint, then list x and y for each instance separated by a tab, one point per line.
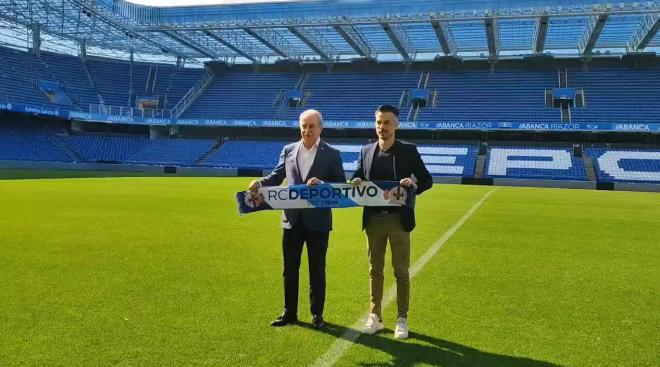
407	182
314	181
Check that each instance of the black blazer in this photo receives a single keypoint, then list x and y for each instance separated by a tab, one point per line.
327	166
407	162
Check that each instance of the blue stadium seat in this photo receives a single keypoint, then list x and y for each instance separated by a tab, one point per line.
612	95
112	78
182	152
626	164
232	154
29	143
241	96
19	76
95	148
354	96
617	95
441	160
482	96
533	163
70	71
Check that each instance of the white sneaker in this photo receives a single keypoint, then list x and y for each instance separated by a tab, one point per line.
401	330
373	325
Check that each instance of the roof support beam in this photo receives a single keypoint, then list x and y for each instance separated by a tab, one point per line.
399	38
443	33
183	40
36	39
314	41
371	16
230	45
271	39
645	33
352	36
591	34
110	18
492	36
541	33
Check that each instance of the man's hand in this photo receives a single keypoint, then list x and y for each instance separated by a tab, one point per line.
407	182
254	186
356	181
314	181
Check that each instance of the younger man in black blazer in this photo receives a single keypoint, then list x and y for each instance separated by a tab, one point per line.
390	159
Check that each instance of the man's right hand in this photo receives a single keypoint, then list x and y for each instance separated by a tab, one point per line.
356	181
254	186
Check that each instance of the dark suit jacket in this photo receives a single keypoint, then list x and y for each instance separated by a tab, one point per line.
327	166
407	162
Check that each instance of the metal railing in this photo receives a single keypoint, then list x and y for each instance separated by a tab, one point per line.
130	111
193	93
641	32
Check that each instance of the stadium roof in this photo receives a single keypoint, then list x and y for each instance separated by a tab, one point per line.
341	30
174	3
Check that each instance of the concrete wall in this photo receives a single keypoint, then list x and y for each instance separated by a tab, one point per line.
22	169
636	187
545	183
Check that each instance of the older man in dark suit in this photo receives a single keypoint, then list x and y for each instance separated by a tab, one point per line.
309	161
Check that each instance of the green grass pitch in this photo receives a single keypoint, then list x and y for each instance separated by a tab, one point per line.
163	272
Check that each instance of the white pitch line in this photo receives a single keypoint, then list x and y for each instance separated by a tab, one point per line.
346	340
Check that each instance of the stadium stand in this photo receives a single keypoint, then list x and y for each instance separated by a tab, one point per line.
107	148
482	96
534	163
18	142
617	95
70	71
441	160
182	152
232	154
173	82
35	142
626	164
19	77
449	160
168	81
611	94
242	96
140	74
353	96
112	78
22	71
479	86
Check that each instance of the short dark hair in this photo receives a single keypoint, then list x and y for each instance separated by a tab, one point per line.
388	108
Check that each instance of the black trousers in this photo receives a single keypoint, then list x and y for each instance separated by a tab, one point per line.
293	241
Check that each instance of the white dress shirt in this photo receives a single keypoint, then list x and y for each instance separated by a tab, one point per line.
306	158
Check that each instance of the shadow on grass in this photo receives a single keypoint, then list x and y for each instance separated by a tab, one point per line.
424	349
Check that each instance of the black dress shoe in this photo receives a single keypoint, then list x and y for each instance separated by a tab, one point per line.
317	322
284	320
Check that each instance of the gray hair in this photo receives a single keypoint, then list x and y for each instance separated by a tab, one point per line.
311	112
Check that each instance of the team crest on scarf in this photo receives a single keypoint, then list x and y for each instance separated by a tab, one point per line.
397	195
254	199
